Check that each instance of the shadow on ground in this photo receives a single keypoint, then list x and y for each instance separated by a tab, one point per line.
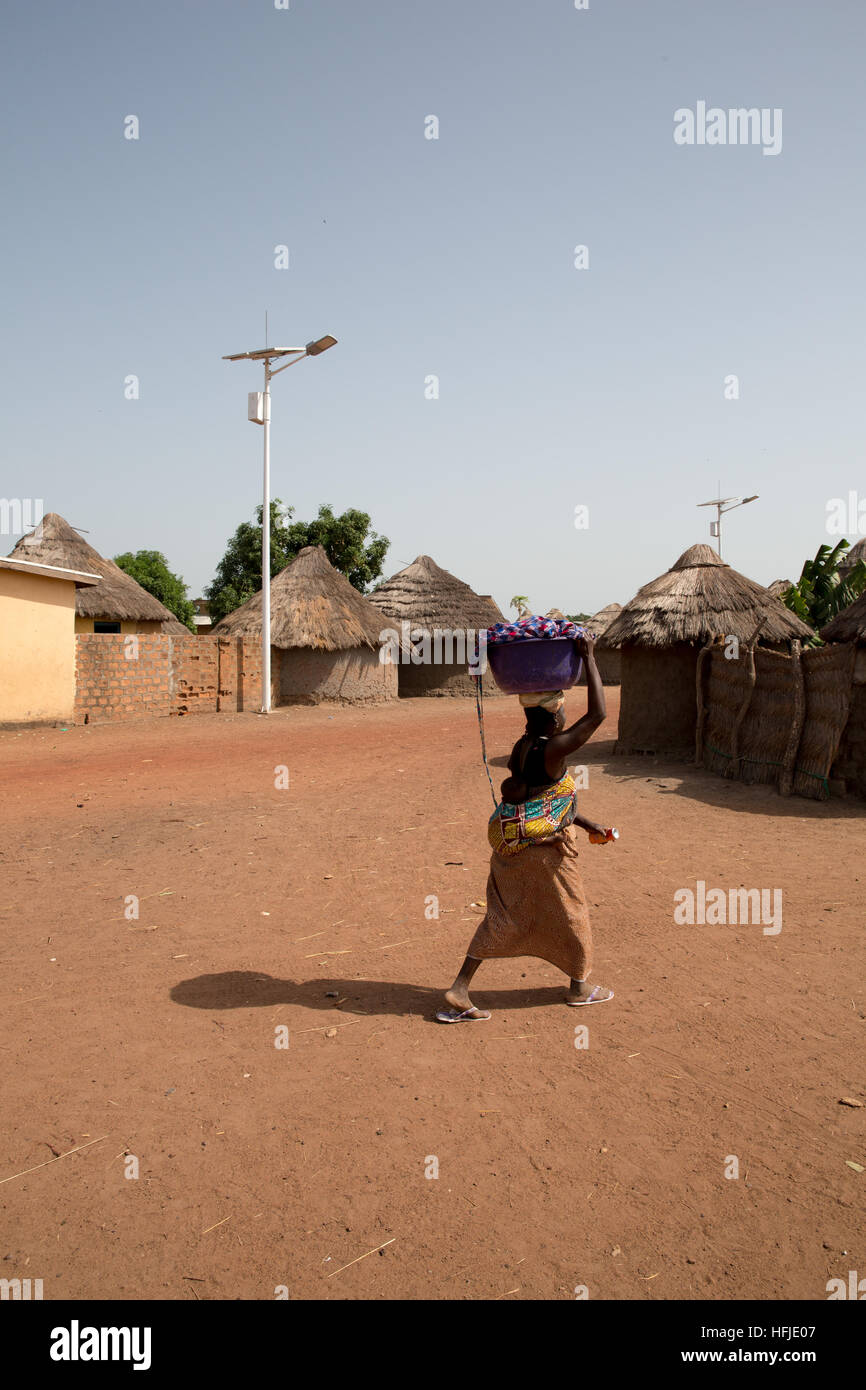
755	798
679	776
243	989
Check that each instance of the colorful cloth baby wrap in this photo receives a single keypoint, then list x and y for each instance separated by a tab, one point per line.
512	828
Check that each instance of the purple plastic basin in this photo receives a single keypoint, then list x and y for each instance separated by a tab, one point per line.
537	663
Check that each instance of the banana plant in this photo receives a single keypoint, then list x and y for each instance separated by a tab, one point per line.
823	590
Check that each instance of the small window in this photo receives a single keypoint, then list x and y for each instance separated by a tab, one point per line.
106	627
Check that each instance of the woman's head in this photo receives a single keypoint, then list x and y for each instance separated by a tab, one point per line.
542	723
545	713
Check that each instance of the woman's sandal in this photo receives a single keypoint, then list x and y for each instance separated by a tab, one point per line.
470	1015
591	999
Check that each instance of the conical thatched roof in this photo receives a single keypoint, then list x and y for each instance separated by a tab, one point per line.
857	552
429	597
602	620
117	597
312	605
701	597
849	625
779	587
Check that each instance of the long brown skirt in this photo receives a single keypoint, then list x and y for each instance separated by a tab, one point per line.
536	906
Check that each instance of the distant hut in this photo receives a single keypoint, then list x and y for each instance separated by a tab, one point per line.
850	765
779	587
117	604
429	599
202	619
849	625
325	635
661	631
608	659
856	552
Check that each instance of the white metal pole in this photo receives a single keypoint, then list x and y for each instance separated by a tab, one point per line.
266	547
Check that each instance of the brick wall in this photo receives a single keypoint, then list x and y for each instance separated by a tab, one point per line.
137	677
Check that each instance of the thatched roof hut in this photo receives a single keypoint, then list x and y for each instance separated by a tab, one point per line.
327	635
855	553
779	587
432	600
849	625
608	659
601	621
660	633
428	597
697	598
118	599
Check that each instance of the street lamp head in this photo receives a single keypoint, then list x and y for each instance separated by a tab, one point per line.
750	499
259	353
320	345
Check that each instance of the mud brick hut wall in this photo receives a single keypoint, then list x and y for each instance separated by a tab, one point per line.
609	663
442	678
357	675
850	765
119	677
658	711
307	677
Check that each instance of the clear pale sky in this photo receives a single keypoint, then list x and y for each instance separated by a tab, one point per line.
559	387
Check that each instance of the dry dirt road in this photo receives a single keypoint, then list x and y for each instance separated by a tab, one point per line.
263	909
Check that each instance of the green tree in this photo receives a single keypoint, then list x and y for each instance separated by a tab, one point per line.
823	590
149	568
350	545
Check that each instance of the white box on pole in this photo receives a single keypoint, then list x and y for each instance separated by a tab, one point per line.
256	407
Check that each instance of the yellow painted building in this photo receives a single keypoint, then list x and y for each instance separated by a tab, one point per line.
121	625
119	604
37	640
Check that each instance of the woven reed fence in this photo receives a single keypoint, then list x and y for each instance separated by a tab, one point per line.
767	717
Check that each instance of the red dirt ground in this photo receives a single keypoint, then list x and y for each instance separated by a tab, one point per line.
558	1167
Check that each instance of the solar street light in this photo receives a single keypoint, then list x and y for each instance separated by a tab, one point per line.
259	411
721	506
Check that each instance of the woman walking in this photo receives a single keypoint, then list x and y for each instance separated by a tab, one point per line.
535	900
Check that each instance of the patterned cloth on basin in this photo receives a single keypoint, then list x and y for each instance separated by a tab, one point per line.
535	626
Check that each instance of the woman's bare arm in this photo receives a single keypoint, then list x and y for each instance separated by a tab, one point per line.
560	746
